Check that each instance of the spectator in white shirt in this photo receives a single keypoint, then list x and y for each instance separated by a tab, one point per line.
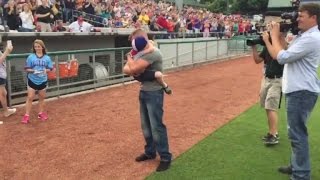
117	10
26	19
80	26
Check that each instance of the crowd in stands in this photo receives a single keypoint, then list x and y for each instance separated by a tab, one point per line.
56	15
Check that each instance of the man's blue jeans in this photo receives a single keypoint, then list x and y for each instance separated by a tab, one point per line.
299	107
154	131
67	13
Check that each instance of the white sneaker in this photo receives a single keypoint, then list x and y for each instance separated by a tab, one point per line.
10	112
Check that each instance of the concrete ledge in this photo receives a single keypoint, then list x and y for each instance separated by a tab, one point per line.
104	31
30	34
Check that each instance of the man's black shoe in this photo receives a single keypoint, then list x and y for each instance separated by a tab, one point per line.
285	169
144	157
164	165
271	140
268	135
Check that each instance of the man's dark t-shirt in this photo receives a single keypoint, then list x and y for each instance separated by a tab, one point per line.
189	24
272	67
44	10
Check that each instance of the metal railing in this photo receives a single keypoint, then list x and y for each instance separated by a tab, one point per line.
97	68
103	67
184	52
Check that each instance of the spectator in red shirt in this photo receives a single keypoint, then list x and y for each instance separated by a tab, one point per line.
170	27
162	22
170	24
241	28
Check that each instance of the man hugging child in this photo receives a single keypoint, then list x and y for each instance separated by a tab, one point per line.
140	47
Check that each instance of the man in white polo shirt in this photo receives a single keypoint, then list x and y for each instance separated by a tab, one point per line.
80	26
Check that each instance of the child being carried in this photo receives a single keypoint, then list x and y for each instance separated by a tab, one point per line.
138	50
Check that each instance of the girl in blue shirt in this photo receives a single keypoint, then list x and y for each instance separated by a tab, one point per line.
37	65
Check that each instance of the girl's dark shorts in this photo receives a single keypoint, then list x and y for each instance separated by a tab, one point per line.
3	82
36	86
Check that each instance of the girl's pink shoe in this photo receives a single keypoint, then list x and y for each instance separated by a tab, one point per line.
43	116
25	119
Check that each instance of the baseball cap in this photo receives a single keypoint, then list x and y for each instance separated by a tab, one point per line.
139	43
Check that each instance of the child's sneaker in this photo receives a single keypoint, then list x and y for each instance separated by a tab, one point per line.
10	112
167	90
25	119
43	116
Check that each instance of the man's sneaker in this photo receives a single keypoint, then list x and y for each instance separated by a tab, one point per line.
42	116
164	165
25	119
271	140
268	135
10	112
144	157
285	169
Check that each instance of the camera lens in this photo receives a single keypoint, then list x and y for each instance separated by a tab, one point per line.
252	42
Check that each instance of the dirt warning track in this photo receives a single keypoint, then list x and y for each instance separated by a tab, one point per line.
98	135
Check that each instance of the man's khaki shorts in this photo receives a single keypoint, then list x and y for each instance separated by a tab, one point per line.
270	93
45	27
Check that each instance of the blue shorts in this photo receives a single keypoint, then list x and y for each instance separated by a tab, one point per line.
37	87
3	82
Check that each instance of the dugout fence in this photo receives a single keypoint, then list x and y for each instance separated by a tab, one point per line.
103	67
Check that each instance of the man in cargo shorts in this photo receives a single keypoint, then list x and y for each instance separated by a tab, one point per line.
270	93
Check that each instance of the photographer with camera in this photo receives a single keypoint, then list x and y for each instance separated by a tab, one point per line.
300	83
270	92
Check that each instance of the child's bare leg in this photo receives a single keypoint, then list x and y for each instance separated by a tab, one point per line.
159	76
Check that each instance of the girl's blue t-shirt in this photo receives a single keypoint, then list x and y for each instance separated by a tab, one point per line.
38	64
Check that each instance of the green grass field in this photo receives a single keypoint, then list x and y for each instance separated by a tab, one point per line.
236	151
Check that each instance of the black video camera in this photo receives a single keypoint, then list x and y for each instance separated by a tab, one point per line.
289	23
259	40
292	25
